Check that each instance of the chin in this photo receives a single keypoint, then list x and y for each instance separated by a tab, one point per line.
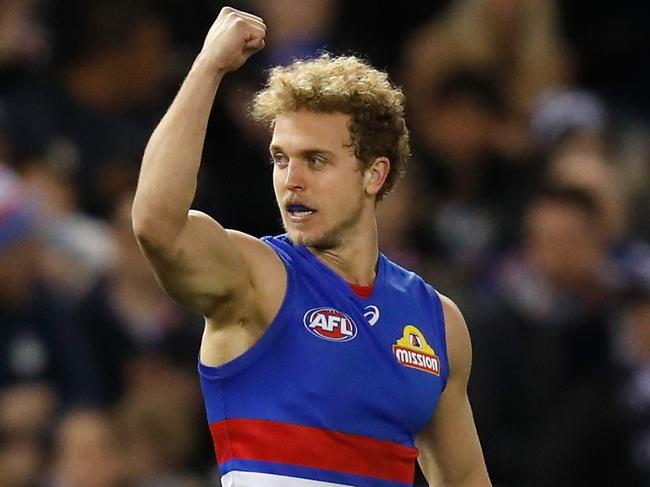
316	241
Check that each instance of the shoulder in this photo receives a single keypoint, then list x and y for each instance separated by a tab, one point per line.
266	282
403	279
459	347
262	260
248	244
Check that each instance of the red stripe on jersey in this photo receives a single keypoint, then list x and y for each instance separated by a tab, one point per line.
306	446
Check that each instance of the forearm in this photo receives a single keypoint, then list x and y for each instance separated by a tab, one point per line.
171	161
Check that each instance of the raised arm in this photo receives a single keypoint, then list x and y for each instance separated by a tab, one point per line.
198	262
450	452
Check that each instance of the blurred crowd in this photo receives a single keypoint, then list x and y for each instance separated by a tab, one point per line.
526	201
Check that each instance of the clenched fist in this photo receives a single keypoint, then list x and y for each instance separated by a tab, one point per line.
232	39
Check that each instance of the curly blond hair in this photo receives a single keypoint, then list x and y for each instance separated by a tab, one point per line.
347	85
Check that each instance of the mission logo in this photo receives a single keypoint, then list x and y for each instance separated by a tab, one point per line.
330	324
412	350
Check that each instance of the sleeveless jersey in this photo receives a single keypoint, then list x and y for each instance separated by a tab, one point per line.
338	386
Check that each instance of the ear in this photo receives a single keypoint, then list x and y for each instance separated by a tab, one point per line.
375	175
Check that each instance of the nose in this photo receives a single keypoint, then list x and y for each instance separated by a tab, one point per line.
294	177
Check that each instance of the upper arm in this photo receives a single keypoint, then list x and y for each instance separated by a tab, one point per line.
450	452
206	265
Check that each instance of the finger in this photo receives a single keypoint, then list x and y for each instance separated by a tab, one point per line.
246	14
254	22
254	32
229	11
225	11
254	41
255	45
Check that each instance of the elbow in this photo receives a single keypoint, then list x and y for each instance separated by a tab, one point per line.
150	229
141	220
144	229
142	226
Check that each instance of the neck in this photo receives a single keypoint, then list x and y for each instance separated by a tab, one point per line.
355	258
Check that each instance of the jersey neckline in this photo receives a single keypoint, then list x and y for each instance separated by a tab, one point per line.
338	280
362	291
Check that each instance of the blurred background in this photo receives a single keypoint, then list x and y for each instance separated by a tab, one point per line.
526	201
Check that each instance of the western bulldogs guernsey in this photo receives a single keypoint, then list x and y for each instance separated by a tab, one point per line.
336	389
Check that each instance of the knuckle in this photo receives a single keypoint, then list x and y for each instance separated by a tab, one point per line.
240	23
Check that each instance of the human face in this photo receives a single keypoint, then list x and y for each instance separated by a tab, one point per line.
318	182
563	243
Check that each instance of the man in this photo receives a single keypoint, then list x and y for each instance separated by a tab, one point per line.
305	381
552	296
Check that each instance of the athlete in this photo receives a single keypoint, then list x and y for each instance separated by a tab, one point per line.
322	362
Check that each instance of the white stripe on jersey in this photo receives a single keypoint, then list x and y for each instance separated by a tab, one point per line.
255	479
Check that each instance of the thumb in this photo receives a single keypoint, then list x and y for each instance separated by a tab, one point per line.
255	44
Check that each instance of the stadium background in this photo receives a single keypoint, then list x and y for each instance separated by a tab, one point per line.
526	201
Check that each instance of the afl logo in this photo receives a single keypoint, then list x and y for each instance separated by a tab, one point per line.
330	324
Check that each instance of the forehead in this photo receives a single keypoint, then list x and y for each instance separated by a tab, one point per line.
547	216
304	128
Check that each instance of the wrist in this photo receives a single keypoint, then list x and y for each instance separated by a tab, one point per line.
203	64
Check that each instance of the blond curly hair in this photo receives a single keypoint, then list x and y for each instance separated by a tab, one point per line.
348	85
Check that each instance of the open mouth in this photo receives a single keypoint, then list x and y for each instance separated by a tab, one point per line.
298	211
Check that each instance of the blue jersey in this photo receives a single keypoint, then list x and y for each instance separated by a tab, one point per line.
338	386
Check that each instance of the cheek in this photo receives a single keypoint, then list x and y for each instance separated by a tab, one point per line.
347	202
276	183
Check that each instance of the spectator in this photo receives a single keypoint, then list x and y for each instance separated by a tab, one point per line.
572	129
543	329
157	423
302	34
474	190
86	452
40	342
76	249
23	41
566	122
127	318
102	118
26	411
605	419
517	43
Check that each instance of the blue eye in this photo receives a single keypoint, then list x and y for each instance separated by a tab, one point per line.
280	160
317	161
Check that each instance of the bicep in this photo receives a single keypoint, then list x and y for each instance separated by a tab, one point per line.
450	452
202	266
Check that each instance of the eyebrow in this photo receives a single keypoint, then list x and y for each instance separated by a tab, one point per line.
305	152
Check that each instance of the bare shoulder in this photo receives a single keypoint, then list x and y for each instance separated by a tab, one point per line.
459	347
234	327
267	274
263	262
